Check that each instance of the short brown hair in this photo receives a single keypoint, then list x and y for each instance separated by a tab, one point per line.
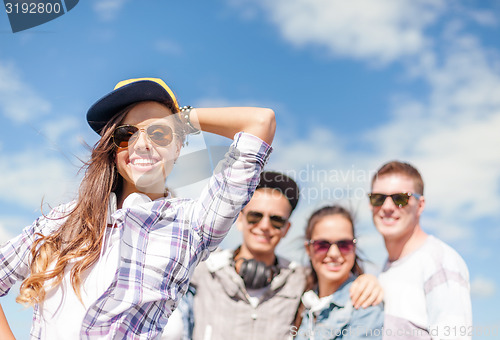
404	169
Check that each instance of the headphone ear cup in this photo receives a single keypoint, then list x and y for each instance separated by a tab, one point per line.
247	272
255	274
262	275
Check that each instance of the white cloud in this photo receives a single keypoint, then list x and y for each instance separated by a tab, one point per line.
218	101
32	176
483	287
380	31
10	226
61	130
18	101
108	9
5	233
450	136
168	47
459	166
482	17
450	230
467	82
455	155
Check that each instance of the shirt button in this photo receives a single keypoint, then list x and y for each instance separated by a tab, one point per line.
254	316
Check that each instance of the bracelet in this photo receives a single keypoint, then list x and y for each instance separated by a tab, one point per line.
186	112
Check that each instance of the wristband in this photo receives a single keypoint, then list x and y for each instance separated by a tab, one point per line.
185	113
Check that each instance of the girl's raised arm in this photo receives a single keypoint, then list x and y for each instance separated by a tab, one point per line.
227	121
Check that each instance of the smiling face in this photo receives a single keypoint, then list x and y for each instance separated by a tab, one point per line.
333	267
393	222
143	164
260	239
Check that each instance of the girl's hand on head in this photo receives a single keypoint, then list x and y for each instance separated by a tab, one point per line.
366	291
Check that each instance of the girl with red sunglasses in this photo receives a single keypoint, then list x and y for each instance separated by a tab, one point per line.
327	311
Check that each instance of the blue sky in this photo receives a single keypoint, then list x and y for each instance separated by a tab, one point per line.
353	83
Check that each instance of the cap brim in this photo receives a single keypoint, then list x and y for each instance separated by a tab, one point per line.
105	108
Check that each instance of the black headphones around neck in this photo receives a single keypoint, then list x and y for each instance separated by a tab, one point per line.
257	274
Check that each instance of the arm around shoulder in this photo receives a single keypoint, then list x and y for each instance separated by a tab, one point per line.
366	291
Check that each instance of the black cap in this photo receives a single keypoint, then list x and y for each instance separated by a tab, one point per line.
282	183
125	93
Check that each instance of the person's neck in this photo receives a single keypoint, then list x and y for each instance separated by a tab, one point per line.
125	193
327	288
402	246
245	253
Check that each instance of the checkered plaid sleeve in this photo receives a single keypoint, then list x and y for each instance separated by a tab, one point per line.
229	190
15	255
162	241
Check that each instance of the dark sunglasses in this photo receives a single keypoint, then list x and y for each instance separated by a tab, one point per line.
125	135
321	247
254	217
400	199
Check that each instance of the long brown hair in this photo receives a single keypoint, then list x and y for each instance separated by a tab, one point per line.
312	277
81	235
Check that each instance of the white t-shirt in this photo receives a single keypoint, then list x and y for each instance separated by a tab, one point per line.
62	312
427	294
174	328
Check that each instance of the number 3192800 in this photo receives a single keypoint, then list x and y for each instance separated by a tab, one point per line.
32	8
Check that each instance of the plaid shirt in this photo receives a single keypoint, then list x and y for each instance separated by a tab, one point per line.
161	242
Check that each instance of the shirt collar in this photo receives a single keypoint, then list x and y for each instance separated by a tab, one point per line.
133	199
340	298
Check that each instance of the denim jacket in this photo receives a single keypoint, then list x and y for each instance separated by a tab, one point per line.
336	318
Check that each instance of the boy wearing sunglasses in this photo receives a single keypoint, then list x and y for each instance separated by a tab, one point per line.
251	292
425	281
